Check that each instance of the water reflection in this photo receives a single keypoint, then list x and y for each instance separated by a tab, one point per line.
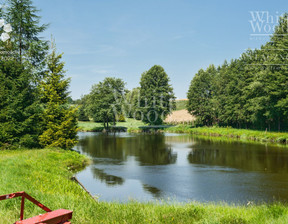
153	190
110	180
115	149
182	167
250	157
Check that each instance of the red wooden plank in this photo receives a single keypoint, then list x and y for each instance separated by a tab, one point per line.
10	196
54	217
33	200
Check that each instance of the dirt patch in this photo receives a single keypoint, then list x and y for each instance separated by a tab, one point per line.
180	116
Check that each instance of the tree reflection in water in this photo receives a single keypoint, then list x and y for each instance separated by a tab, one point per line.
153	190
114	149
187	167
110	180
244	156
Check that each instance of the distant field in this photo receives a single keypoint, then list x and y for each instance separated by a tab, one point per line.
179	117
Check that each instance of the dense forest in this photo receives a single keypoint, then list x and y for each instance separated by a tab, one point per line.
34	97
248	92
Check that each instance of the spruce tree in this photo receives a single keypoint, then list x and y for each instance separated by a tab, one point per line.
25	35
19	107
59	118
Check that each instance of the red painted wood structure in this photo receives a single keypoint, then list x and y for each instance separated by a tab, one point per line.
60	216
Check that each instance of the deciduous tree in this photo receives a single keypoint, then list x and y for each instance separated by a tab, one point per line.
157	98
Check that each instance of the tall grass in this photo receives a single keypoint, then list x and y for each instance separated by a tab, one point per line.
45	175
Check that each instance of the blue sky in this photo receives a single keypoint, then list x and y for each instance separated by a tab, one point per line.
125	38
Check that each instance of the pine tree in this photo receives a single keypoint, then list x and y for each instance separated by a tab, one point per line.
25	35
59	118
19	107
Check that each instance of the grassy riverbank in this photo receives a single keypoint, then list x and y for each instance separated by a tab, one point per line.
92	126
243	134
133	125
45	174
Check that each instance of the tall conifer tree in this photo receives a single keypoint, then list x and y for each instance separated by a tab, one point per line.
59	118
25	36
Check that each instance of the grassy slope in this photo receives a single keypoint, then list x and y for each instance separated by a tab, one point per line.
45	175
252	135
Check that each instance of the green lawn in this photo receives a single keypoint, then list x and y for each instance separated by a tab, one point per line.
90	126
45	174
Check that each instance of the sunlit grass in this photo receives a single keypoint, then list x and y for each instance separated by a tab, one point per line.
91	126
228	132
45	174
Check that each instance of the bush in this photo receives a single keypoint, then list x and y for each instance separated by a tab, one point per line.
120	118
29	141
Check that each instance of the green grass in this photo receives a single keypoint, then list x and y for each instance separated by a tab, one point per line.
92	126
242	134
45	175
181	104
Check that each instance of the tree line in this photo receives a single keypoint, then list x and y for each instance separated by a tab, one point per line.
34	108
110	102
248	92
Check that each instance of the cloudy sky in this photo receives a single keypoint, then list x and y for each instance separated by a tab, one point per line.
125	38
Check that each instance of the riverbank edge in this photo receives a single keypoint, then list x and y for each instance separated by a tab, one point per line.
46	175
280	138
233	133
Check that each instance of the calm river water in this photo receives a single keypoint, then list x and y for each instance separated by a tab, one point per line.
182	168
